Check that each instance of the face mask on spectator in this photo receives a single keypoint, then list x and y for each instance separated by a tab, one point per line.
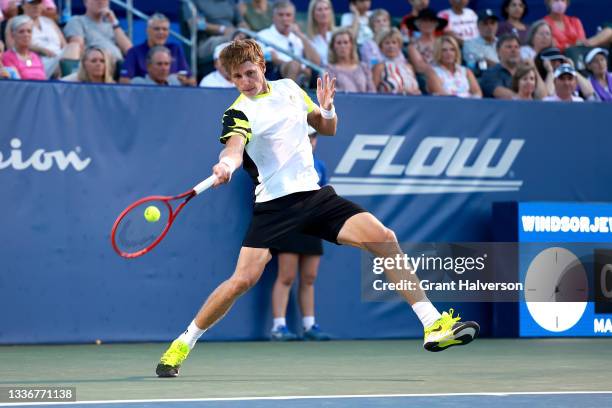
559	7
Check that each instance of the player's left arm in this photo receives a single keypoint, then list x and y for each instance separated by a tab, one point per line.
323	117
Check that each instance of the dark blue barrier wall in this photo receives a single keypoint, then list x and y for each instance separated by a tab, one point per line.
74	155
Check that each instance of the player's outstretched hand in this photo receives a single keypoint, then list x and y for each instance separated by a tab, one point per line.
326	90
223	174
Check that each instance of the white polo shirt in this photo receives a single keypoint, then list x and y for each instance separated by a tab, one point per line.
289	42
278	154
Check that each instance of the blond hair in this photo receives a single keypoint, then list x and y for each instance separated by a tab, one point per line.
312	25
375	14
389	33
240	51
332	57
83	76
438	49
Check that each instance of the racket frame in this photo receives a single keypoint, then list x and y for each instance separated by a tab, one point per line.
172	214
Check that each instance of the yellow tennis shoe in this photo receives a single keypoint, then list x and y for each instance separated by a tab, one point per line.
449	331
172	359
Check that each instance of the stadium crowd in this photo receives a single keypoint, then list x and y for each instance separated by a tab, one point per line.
453	52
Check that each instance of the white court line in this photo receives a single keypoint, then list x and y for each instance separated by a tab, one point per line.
298	397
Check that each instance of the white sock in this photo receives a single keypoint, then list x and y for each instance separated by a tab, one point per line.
191	335
308	322
278	322
426	312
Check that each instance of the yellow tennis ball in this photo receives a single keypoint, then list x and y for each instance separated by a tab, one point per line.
152	213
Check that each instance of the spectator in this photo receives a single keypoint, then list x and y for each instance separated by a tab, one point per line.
421	50
135	64
27	63
547	61
47	38
219	78
525	81
9	9
98	27
497	81
359	20
448	77
513	12
539	37
7	72
481	52
601	80
257	14
286	34
159	60
565	85
320	25
602	39
216	22
344	65
394	74
96	67
407	24
462	21
49	9
380	20
304	252
566	31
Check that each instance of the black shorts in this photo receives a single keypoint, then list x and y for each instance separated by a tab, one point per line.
320	213
297	243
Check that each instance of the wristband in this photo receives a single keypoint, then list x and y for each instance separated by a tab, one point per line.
222	29
229	163
116	26
328	114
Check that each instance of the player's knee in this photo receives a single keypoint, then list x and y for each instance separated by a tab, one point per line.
390	235
241	284
382	234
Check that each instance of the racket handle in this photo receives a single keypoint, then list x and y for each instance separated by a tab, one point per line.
205	184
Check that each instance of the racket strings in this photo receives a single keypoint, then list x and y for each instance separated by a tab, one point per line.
135	233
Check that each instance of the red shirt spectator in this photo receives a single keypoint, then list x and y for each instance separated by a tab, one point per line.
566	30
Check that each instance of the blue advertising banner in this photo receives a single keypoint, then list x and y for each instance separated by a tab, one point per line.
571	244
73	156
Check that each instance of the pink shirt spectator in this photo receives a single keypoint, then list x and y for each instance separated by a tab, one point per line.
34	70
358	79
568	37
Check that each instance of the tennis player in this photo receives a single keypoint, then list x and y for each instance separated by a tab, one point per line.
266	131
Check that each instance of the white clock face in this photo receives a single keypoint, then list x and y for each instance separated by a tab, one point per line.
556	289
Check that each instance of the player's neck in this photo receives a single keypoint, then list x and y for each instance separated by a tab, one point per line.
265	88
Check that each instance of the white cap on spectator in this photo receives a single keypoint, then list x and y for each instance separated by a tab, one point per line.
589	57
218	50
565	69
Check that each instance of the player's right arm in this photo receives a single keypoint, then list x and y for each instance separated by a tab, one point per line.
235	135
230	159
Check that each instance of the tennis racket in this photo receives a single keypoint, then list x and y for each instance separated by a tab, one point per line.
133	235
